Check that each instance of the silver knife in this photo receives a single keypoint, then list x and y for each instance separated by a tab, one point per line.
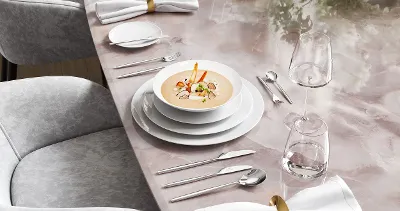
227	170
223	156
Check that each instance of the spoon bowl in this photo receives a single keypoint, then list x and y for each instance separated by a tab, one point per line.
271	76
253	178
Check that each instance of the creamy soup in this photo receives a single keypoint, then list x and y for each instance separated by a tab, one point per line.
209	89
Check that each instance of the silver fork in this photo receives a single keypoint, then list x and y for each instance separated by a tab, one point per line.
275	98
169	58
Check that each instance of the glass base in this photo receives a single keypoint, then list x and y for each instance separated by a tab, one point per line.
307	124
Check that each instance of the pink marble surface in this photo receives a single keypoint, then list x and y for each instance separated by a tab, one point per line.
360	105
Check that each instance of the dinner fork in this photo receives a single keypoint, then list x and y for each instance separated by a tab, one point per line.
169	58
275	98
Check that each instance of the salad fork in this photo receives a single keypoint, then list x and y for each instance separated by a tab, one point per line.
169	58
275	98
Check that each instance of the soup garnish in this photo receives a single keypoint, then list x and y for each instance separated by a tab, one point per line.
204	88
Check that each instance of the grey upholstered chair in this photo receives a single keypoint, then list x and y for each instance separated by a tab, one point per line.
42	31
62	146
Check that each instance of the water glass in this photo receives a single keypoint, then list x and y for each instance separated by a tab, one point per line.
306	155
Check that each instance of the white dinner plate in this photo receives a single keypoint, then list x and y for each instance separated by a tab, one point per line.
147	125
197	118
134	31
204	129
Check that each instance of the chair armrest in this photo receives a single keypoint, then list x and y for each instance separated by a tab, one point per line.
37	112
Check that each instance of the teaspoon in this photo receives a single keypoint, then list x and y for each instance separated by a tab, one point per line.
273	77
253	178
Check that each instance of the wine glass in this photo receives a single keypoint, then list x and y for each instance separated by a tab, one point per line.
306	155
310	67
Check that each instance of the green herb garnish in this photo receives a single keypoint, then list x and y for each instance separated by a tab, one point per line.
204	100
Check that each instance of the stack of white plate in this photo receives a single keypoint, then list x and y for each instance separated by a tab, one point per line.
197	127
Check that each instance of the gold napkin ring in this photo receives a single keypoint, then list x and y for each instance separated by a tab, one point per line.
279	203
151	7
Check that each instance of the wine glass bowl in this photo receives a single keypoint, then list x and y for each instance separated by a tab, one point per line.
308	75
311	64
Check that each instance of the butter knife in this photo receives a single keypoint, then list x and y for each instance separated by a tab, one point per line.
227	170
223	156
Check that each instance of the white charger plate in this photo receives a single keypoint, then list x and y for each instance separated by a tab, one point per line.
147	125
200	129
134	31
197	118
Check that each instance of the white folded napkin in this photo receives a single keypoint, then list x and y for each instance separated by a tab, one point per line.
110	11
333	195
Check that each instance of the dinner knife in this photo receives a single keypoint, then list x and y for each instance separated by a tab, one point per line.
223	156
227	170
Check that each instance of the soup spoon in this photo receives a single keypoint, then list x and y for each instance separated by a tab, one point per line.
253	178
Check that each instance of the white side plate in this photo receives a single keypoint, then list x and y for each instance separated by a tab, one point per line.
134	31
156	131
200	129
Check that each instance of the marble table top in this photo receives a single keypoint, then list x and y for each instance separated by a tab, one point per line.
360	105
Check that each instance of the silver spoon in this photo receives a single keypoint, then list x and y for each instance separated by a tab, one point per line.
253	178
273	77
169	58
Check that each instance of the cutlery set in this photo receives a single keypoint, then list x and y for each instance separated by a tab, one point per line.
252	178
272	77
168	58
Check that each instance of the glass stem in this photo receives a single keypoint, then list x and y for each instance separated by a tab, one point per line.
305	105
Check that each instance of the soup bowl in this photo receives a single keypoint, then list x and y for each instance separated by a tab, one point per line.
231	75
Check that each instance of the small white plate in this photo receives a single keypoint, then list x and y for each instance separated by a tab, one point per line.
155	116
134	31
156	131
217	67
196	118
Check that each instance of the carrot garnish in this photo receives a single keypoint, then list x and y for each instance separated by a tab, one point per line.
202	77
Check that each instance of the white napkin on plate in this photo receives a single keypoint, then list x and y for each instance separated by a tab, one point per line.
110	11
333	195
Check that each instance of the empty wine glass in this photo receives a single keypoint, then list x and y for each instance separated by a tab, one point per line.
310	67
306	155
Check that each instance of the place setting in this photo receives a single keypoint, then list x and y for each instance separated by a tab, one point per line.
202	102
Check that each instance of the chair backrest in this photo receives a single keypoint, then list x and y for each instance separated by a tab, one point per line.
8	162
44	31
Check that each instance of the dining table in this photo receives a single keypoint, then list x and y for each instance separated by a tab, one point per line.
361	105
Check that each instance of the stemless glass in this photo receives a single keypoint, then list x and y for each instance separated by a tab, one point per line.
311	67
306	155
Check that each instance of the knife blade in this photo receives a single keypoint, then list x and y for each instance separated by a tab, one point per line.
233	169
234	154
227	170
223	156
